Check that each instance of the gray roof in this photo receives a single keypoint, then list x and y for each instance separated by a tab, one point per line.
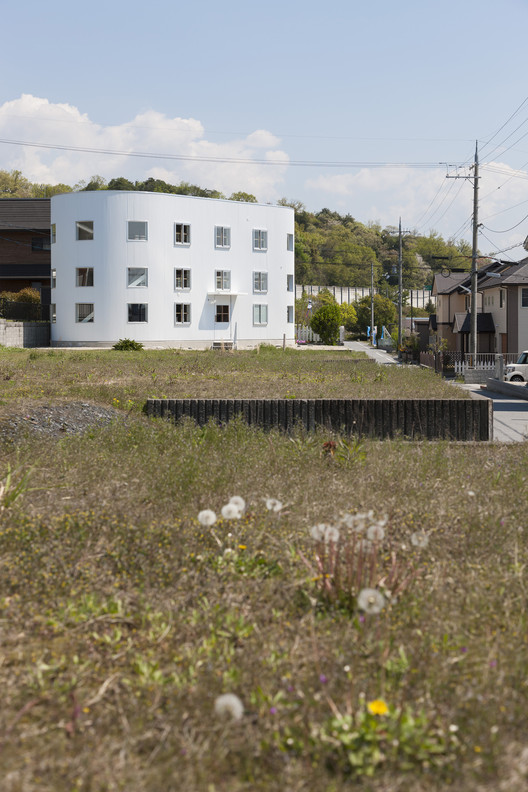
462	322
445	284
25	213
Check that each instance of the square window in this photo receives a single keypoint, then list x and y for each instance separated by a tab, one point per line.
137	230
53	278
53	233
289	242
260	282
289	282
260	314
137	277
84	312
84	276
290	314
182	278
524	298
223	280
53	313
260	239
84	229
222	237
182	234
222	313
182	313
137	312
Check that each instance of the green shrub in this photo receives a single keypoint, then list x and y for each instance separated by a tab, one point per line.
127	345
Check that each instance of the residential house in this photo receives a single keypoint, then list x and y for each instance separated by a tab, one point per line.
25	258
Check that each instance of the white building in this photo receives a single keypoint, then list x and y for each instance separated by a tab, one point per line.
170	270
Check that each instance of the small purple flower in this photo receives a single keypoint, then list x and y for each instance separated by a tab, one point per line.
322	679
493	663
273	710
463	649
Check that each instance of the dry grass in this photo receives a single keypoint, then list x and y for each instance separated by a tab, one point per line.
122	618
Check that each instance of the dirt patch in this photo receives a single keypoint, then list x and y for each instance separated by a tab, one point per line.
55	419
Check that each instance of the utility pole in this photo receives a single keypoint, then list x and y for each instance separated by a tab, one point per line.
473	342
372	302
400	290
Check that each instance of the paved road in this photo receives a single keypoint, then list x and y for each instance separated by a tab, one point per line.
510	415
379	355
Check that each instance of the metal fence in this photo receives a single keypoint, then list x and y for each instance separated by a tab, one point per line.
24	312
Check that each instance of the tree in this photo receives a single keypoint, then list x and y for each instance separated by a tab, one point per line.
243	196
121	184
347	316
325	322
384	312
14	185
48	190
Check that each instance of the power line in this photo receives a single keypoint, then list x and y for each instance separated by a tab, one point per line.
224	160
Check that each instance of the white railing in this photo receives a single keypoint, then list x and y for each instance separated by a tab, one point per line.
306	335
483	361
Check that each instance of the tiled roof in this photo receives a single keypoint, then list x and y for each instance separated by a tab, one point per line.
25	213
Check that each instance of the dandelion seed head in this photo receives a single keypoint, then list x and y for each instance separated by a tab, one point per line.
370	601
317	532
239	502
470	494
375	533
419	539
206	517
231	512
331	534
229	706
273	505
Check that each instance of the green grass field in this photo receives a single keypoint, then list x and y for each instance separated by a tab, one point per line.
123	618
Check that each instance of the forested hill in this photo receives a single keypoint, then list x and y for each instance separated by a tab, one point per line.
330	249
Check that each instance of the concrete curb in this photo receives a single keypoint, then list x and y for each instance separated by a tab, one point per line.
507	388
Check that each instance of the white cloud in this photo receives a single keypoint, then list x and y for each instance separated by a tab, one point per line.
426	200
34	119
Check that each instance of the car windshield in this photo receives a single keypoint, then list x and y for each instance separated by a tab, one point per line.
523	357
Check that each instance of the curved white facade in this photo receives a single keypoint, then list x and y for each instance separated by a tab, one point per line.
170	270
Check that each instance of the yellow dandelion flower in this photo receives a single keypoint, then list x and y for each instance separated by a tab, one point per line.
377	707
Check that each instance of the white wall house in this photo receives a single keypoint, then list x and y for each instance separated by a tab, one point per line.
170	270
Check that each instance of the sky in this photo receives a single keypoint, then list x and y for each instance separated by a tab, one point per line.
372	108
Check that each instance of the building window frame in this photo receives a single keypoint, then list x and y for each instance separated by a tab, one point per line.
260	283
223	280
137	313
182	234
84	313
290	242
260	239
260	314
53	279
53	233
84	230
84	276
524	297
289	283
137	230
222	237
222	313
182	313
290	314
53	313
137	277
182	279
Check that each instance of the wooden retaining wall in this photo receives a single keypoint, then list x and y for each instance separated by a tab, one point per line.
452	419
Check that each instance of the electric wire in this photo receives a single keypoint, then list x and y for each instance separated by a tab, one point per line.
224	160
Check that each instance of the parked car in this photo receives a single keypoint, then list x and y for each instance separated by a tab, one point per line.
517	372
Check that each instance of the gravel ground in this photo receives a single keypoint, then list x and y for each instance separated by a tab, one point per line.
55	419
